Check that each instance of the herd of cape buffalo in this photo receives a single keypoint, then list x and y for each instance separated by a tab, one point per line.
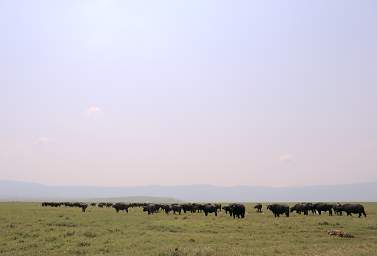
234	210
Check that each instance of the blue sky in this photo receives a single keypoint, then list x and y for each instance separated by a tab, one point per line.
114	92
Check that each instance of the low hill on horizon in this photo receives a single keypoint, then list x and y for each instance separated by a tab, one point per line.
28	191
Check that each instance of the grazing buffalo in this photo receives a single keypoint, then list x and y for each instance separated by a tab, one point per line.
278	209
237	210
93	204
297	208
310	207
209	208
151	208
227	209
121	207
101	205
197	207
51	204
83	206
258	207
323	207
166	208
302	207
338	209
353	208
187	208
176	208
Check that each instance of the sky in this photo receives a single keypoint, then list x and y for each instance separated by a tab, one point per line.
129	93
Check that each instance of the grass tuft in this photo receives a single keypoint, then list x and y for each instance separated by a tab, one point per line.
90	234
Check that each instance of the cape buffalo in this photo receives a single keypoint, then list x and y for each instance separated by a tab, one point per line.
210	208
187	208
310	207
51	204
151	208
299	208
121	207
227	209
235	210
354	208
278	209
238	210
166	208
338	209
176	208
258	207
83	206
197	207
101	205
323	207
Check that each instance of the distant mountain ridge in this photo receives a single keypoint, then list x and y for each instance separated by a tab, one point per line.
28	191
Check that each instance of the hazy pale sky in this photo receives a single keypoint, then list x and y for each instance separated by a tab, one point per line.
238	92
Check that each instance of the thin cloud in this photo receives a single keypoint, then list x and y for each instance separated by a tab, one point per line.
93	110
286	158
41	140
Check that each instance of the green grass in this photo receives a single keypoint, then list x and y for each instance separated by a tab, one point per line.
29	229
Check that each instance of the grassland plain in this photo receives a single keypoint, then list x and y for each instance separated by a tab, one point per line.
29	229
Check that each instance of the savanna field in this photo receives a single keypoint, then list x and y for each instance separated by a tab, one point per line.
29	229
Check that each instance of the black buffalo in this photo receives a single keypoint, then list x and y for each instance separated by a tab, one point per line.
197	207
101	205
310	207
353	208
151	208
338	209
237	210
302	208
176	208
83	206
210	208
121	207
227	209
323	207
166	208
258	207
187	207
278	209
51	204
